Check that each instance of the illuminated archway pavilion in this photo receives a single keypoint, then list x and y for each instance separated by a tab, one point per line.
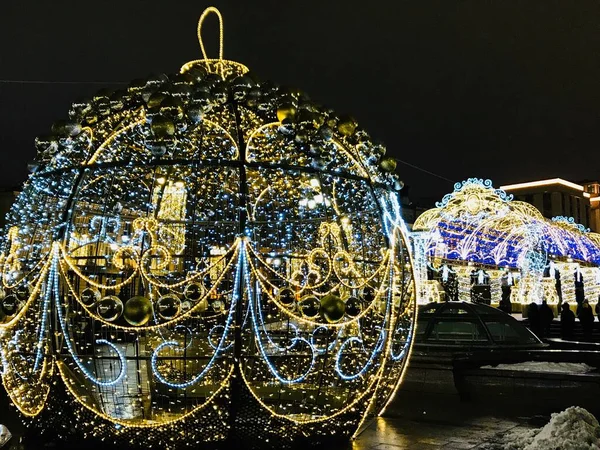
479	236
206	259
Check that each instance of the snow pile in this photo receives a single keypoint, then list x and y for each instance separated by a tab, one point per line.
542	366
517	440
573	429
4	435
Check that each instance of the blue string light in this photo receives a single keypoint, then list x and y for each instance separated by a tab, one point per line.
220	348
63	324
257	337
43	324
293	341
355	339
331	346
399	356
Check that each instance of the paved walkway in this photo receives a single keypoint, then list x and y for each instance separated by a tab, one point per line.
401	434
418	421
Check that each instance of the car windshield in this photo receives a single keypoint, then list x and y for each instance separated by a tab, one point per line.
503	332
464	324
467	330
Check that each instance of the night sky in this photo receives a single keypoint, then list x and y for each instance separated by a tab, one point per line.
507	90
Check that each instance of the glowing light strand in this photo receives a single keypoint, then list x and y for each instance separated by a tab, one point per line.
67	339
257	336
217	351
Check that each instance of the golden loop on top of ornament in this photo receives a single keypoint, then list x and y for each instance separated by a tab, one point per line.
207	11
223	67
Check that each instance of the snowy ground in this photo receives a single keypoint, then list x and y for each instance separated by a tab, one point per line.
4	435
572	429
542	366
450	428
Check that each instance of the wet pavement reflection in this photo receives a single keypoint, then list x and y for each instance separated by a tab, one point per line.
415	421
400	434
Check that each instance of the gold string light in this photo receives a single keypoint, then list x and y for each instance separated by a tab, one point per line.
478	226
161	254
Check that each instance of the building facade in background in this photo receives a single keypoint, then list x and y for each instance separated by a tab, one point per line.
593	188
557	197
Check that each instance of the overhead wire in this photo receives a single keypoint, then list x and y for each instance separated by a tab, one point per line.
8	81
424	170
5	81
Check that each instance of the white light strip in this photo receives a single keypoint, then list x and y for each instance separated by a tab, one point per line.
542	183
594	199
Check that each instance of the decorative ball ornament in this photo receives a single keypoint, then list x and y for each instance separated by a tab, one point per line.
259	209
202	306
286	111
368	295
186	306
138	311
287	297
332	308
388	164
168	306
353	306
193	292
347	126
309	306
10	305
90	296
217	305
110	308
22	292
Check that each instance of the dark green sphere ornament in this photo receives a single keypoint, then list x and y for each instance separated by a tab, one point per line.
332	308
138	311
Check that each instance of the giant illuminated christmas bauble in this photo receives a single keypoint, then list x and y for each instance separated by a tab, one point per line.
201	259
